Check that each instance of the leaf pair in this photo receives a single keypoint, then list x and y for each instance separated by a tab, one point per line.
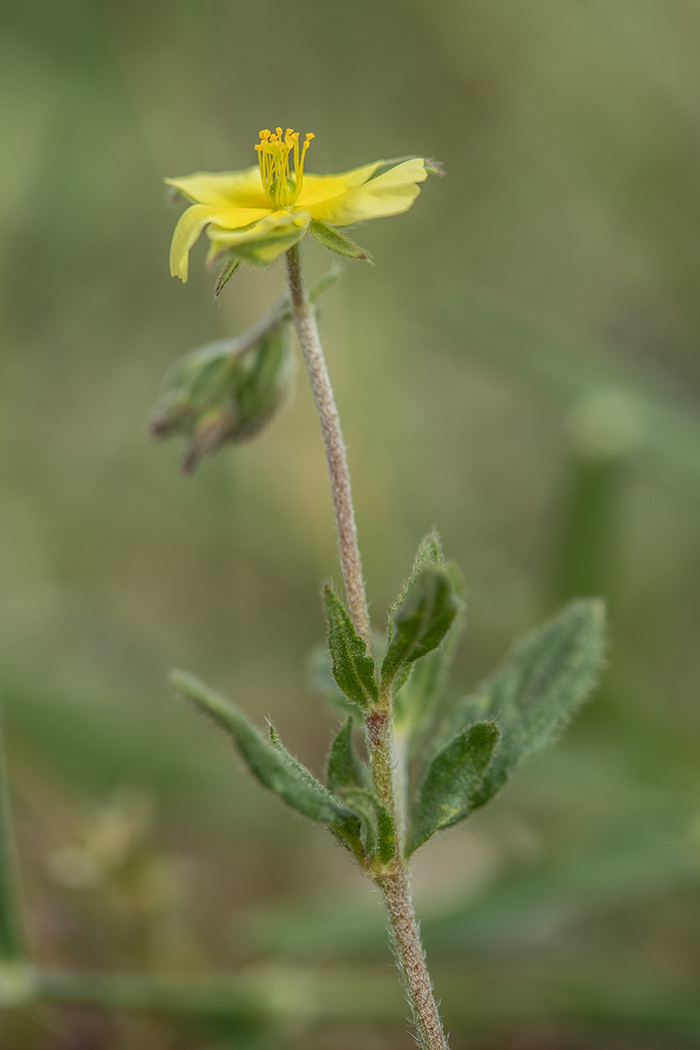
532	697
419	622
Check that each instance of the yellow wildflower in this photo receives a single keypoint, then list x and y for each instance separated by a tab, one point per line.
257	213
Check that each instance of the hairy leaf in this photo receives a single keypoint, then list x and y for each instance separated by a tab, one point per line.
540	687
416	703
377	832
451	781
353	668
423	613
344	767
268	760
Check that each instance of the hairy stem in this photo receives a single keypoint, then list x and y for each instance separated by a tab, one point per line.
393	880
310	341
411	958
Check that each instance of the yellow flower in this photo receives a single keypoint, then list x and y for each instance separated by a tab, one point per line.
257	213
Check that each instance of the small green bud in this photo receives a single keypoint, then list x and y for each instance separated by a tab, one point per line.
225	392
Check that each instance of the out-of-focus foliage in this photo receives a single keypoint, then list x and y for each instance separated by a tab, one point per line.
520	369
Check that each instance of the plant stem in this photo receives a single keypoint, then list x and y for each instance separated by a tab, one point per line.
12	940
393	880
396	889
310	342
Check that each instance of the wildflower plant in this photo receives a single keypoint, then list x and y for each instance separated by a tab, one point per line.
405	762
427	766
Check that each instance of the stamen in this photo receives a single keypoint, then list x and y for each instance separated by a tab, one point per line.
280	184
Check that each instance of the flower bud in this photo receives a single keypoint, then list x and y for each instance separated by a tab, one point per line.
225	392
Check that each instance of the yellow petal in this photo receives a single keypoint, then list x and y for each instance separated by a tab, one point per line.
192	223
391	193
317	188
240	189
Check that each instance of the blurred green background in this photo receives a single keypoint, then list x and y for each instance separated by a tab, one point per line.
519	369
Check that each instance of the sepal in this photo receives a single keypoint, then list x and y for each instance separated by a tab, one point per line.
337	242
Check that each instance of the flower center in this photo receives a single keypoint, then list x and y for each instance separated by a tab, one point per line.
282	184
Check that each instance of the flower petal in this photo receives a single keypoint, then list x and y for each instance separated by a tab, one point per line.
240	189
188	229
390	193
195	219
317	188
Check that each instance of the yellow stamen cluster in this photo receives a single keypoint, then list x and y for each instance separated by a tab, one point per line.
274	154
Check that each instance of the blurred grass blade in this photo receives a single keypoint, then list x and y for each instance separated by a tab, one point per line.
575	368
273	766
12	937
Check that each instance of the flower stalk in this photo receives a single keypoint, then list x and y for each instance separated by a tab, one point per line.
393	879
304	317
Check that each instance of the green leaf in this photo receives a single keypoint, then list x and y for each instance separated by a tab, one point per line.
445	795
351	780
353	668
344	767
377	827
273	766
540	687
336	242
423	613
416	703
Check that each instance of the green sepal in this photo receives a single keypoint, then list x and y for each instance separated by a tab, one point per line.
547	677
262	253
353	667
336	242
450	783
344	767
226	275
423	613
432	167
267	760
